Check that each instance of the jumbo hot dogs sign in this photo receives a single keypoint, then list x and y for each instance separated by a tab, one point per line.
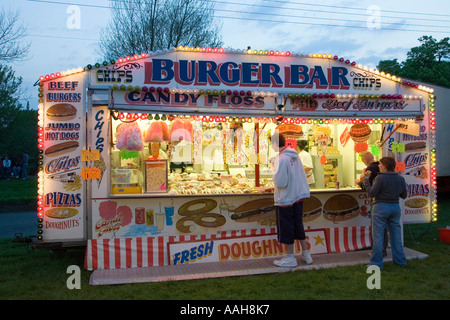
64	136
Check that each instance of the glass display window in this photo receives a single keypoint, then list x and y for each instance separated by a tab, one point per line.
191	155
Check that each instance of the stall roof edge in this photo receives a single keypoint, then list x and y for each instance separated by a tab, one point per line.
248	51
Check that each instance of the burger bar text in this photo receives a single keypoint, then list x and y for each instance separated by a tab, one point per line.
234	75
245	74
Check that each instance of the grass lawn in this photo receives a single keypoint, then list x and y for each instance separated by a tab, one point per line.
18	191
42	275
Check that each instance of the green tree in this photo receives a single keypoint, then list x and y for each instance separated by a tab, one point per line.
18	125
150	25
427	62
9	97
12	45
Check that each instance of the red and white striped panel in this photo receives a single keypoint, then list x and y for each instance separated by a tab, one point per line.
146	252
348	239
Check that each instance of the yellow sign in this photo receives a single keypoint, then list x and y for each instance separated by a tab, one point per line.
90	155
91	173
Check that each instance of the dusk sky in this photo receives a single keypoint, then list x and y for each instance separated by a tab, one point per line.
361	31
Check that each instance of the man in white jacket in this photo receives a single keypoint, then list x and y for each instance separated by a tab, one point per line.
291	186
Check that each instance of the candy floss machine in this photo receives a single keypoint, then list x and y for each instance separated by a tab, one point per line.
125	180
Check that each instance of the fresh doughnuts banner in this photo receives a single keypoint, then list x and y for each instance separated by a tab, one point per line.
63	139
241	248
122	218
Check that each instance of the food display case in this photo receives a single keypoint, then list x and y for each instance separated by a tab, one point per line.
125	180
156	175
329	174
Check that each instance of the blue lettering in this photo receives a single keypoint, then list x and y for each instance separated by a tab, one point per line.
318	75
187	72
184	256
193	254
134	96
162	70
299	75
99	115
207	70
338	77
224	72
248	70
209	248
200	250
176	258
270	71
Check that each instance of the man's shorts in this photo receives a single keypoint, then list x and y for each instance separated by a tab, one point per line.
290	223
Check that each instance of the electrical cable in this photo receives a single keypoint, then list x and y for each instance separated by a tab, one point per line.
289	22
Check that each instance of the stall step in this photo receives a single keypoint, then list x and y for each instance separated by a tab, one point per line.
232	268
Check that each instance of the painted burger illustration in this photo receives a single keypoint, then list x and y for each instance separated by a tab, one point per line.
360	132
255	210
341	207
61	112
312	209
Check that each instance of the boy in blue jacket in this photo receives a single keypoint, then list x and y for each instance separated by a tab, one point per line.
291	186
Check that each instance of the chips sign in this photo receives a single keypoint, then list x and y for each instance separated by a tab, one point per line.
408	127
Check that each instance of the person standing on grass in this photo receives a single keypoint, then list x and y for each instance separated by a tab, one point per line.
6	167
373	168
25	158
291	186
388	186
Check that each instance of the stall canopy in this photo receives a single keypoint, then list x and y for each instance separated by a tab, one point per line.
234	82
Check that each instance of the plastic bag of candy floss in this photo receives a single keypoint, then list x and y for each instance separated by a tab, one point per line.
129	136
134	142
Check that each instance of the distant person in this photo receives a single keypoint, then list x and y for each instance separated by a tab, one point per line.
291	186
6	168
15	167
371	165
25	158
388	186
306	159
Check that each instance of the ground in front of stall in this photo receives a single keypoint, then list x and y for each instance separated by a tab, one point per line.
42	274
233	268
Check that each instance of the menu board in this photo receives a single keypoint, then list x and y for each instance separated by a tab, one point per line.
64	138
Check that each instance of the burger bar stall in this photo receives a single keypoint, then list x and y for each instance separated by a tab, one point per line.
163	158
